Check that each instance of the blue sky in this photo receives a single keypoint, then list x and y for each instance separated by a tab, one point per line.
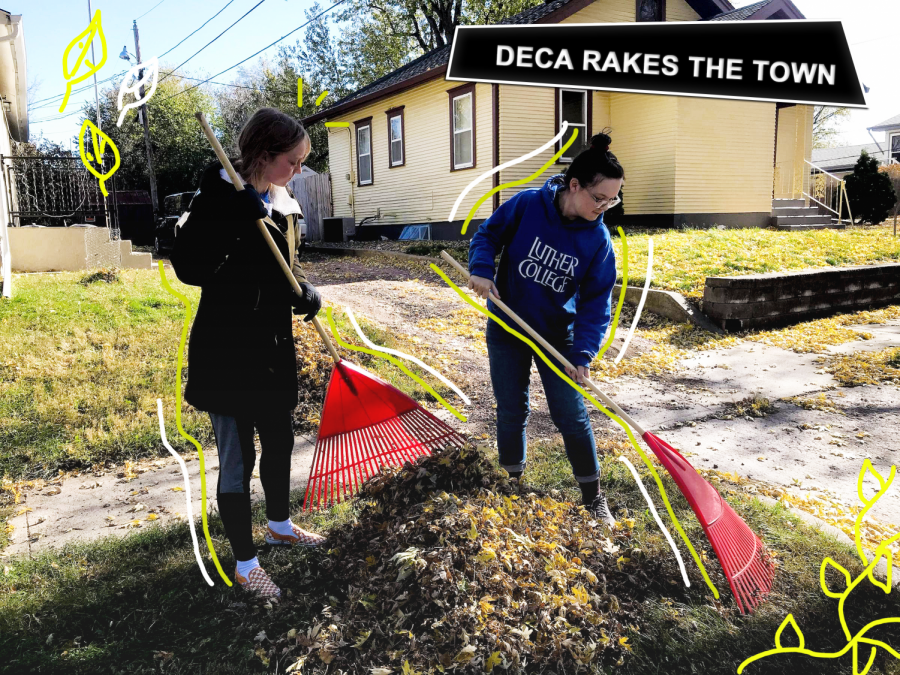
50	24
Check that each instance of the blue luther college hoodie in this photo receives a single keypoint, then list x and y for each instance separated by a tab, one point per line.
555	273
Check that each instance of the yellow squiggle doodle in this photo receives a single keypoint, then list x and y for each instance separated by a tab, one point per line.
615	323
516	183
593	400
397	363
184	434
853	641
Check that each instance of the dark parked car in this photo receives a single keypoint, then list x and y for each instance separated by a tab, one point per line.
173	208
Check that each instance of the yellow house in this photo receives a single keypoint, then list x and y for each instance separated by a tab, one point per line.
416	140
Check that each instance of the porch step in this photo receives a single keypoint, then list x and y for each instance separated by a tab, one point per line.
134	261
137	261
787	203
805	219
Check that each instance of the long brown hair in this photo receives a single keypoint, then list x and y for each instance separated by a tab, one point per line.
267	133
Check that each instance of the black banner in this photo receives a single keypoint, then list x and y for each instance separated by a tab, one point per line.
784	61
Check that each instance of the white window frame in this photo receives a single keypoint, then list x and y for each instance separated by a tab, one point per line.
359	156
392	140
471	129
891	158
582	127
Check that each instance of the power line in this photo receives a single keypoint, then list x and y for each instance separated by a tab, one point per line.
185	77
218	36
303	25
151	9
204	23
34	105
209	79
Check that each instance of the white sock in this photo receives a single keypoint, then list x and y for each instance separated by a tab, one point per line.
244	567
284	528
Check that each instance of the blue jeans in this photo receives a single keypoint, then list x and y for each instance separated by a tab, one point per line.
510	360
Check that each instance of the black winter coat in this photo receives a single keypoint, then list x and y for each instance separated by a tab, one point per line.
241	356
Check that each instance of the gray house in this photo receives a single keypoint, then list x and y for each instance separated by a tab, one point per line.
840	161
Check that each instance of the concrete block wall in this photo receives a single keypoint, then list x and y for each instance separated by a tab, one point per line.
46	249
782	298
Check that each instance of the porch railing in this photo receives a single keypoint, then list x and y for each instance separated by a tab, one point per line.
814	186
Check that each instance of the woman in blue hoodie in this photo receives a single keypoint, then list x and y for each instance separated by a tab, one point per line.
557	270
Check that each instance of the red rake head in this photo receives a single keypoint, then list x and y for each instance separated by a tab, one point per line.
743	556
367	424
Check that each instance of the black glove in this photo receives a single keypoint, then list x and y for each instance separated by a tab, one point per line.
309	304
249	205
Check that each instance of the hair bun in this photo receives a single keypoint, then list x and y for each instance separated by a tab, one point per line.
600	142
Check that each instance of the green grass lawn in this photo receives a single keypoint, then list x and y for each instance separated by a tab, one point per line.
682	259
81	367
139	604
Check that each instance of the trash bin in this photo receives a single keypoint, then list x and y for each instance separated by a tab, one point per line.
337	229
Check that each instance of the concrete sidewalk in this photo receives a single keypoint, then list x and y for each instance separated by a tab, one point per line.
92	506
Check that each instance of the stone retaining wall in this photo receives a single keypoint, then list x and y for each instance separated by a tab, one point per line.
781	298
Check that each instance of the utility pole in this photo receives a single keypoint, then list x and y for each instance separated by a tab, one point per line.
146	120
99	123
93	60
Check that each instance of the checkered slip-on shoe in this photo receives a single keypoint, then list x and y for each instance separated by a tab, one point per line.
299	538
258	581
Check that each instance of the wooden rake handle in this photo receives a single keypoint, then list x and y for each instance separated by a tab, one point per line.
239	186
546	345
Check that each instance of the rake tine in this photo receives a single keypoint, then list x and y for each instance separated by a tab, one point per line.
403	439
371	460
396	443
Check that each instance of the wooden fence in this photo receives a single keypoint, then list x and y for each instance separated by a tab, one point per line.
313	192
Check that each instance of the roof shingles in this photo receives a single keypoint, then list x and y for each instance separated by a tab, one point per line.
741	13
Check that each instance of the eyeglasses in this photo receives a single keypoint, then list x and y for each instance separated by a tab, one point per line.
603	202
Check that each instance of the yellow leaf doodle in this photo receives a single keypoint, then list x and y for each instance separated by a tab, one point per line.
83	41
824	584
789	621
883	551
99	141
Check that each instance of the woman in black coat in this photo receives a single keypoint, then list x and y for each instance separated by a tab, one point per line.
242	363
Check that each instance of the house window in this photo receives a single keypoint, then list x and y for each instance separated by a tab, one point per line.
396	136
650	10
573	106
895	148
364	151
462	127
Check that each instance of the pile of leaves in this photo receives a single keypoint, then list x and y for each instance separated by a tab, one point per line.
451	567
853	370
108	275
754	405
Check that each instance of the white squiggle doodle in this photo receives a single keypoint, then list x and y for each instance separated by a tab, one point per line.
512	162
151	74
187	491
377	348
640	307
637	478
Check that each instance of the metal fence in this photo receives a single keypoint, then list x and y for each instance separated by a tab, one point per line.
57	191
